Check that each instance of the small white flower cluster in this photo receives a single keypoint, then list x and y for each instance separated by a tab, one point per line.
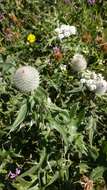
94	82
65	31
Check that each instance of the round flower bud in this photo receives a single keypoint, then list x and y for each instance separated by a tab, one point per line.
79	63
101	87
26	79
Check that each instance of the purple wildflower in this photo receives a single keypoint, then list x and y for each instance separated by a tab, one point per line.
18	171
91	2
12	175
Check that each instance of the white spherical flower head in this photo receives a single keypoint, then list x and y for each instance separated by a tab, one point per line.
26	79
101	87
79	63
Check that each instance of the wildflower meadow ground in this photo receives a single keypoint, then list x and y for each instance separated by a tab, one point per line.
53	95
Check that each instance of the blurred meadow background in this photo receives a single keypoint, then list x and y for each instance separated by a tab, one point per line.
53	94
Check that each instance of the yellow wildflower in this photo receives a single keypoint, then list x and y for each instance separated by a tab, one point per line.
31	38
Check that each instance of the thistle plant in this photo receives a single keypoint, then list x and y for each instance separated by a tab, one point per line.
78	63
26	79
53	136
101	87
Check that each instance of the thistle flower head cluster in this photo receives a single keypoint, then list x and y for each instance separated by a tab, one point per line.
26	78
94	82
78	62
65	31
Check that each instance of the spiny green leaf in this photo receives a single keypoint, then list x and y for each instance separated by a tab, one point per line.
61	130
53	179
83	168
34	187
91	129
97	173
23	185
62	118
33	169
21	116
94	153
80	145
72	129
74	109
